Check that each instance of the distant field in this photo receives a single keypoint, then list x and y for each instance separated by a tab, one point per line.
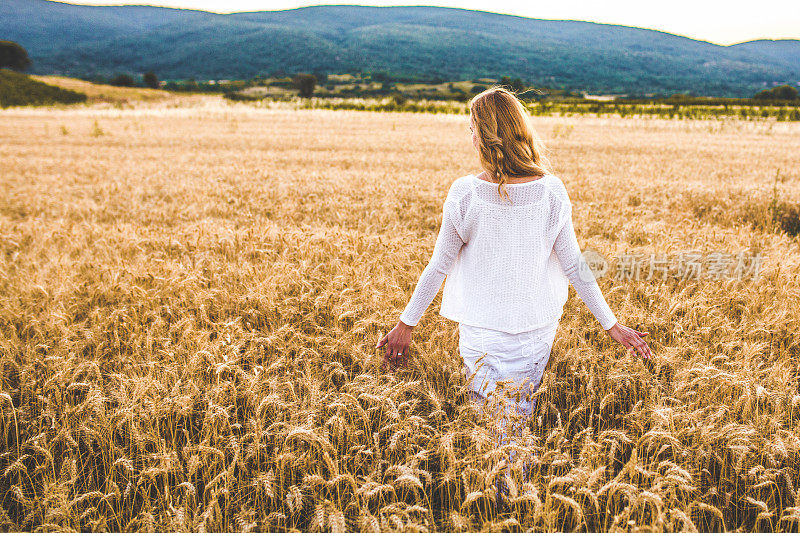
190	298
448	97
97	92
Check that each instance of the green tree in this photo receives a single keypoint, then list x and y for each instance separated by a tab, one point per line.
786	92
13	56
766	94
122	80
782	92
151	80
322	77
516	85
305	84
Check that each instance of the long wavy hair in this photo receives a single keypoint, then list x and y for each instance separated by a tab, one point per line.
508	146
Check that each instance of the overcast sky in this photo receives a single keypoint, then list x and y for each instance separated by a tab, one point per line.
721	22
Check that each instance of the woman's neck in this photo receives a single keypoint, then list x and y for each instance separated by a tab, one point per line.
516	179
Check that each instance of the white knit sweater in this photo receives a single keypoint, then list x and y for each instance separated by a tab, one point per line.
507	266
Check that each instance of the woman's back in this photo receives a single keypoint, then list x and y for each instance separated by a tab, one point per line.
507	263
506	276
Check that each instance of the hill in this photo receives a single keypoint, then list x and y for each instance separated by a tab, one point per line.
18	90
447	43
98	92
786	51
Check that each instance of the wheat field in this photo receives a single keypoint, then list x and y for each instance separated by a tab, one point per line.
190	298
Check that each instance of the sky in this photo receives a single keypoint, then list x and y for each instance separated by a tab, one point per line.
717	21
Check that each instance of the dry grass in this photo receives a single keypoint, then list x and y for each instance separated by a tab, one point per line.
100	93
189	301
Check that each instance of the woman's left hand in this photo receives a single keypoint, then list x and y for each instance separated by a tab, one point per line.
631	339
397	343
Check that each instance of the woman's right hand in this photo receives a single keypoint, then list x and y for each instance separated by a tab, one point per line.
631	339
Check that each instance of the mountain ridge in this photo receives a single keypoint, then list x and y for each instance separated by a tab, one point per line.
450	43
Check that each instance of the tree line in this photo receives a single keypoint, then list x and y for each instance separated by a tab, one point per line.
149	79
13	56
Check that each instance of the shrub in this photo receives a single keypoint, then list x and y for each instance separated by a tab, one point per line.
151	80
18	89
305	84
13	56
788	218
242	97
122	80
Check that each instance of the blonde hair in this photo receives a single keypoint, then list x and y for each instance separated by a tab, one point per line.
508	146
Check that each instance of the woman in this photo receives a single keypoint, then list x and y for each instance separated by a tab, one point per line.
507	251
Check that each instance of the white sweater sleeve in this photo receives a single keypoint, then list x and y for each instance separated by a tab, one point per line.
572	262
445	251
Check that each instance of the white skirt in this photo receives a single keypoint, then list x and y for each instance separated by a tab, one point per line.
492	356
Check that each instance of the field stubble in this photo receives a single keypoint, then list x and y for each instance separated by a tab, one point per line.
189	301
